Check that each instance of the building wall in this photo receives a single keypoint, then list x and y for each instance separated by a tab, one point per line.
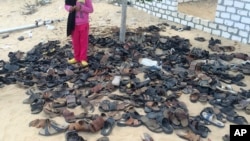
180	1
232	19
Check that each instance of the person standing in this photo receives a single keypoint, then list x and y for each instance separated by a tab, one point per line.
78	28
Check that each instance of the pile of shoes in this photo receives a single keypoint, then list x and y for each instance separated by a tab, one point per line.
54	86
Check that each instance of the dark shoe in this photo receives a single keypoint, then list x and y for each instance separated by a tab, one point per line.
103	139
37	106
165	124
200	39
108	126
73	136
198	128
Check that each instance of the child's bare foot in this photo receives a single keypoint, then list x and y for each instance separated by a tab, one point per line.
72	61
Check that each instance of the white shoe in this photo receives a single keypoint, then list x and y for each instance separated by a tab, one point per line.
116	81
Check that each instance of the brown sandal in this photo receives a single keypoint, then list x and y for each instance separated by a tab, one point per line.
182	116
68	116
97	124
80	125
96	88
38	123
129	122
188	135
59	102
50	111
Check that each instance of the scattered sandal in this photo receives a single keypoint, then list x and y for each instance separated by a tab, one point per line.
107	106
147	137
73	136
38	123
68	116
128	120
199	128
71	101
240	120
51	128
151	124
108	126
37	106
50	111
211	118
103	139
188	135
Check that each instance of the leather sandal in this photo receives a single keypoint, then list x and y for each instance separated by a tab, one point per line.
198	128
37	106
68	116
80	125
38	123
107	106
188	135
128	120
50	111
51	127
73	136
96	124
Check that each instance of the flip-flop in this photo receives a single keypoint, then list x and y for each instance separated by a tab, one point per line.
151	107
71	101
73	136
210	117
240	120
229	111
198	128
51	128
200	39
107	106
147	137
242	104
194	97
38	123
108	126
50	111
247	110
128	120
86	105
103	139
182	116
59	102
32	98
151	124
68	116
37	106
96	124
188	135
165	124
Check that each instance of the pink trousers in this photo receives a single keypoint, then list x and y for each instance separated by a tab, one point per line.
80	40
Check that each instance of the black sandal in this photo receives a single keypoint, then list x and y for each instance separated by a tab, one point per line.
37	106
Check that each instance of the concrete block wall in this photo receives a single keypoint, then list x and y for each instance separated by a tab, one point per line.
232	19
180	1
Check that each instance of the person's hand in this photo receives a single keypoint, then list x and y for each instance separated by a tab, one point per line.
77	7
72	8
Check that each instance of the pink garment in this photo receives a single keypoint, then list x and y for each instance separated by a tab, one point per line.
82	16
80	33
80	41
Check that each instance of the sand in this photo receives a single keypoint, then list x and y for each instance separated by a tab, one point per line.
15	116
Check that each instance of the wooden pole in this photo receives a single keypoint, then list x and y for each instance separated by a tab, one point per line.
123	21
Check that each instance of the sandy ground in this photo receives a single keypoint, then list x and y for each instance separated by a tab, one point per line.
15	116
205	9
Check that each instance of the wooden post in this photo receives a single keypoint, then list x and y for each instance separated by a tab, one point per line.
123	21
